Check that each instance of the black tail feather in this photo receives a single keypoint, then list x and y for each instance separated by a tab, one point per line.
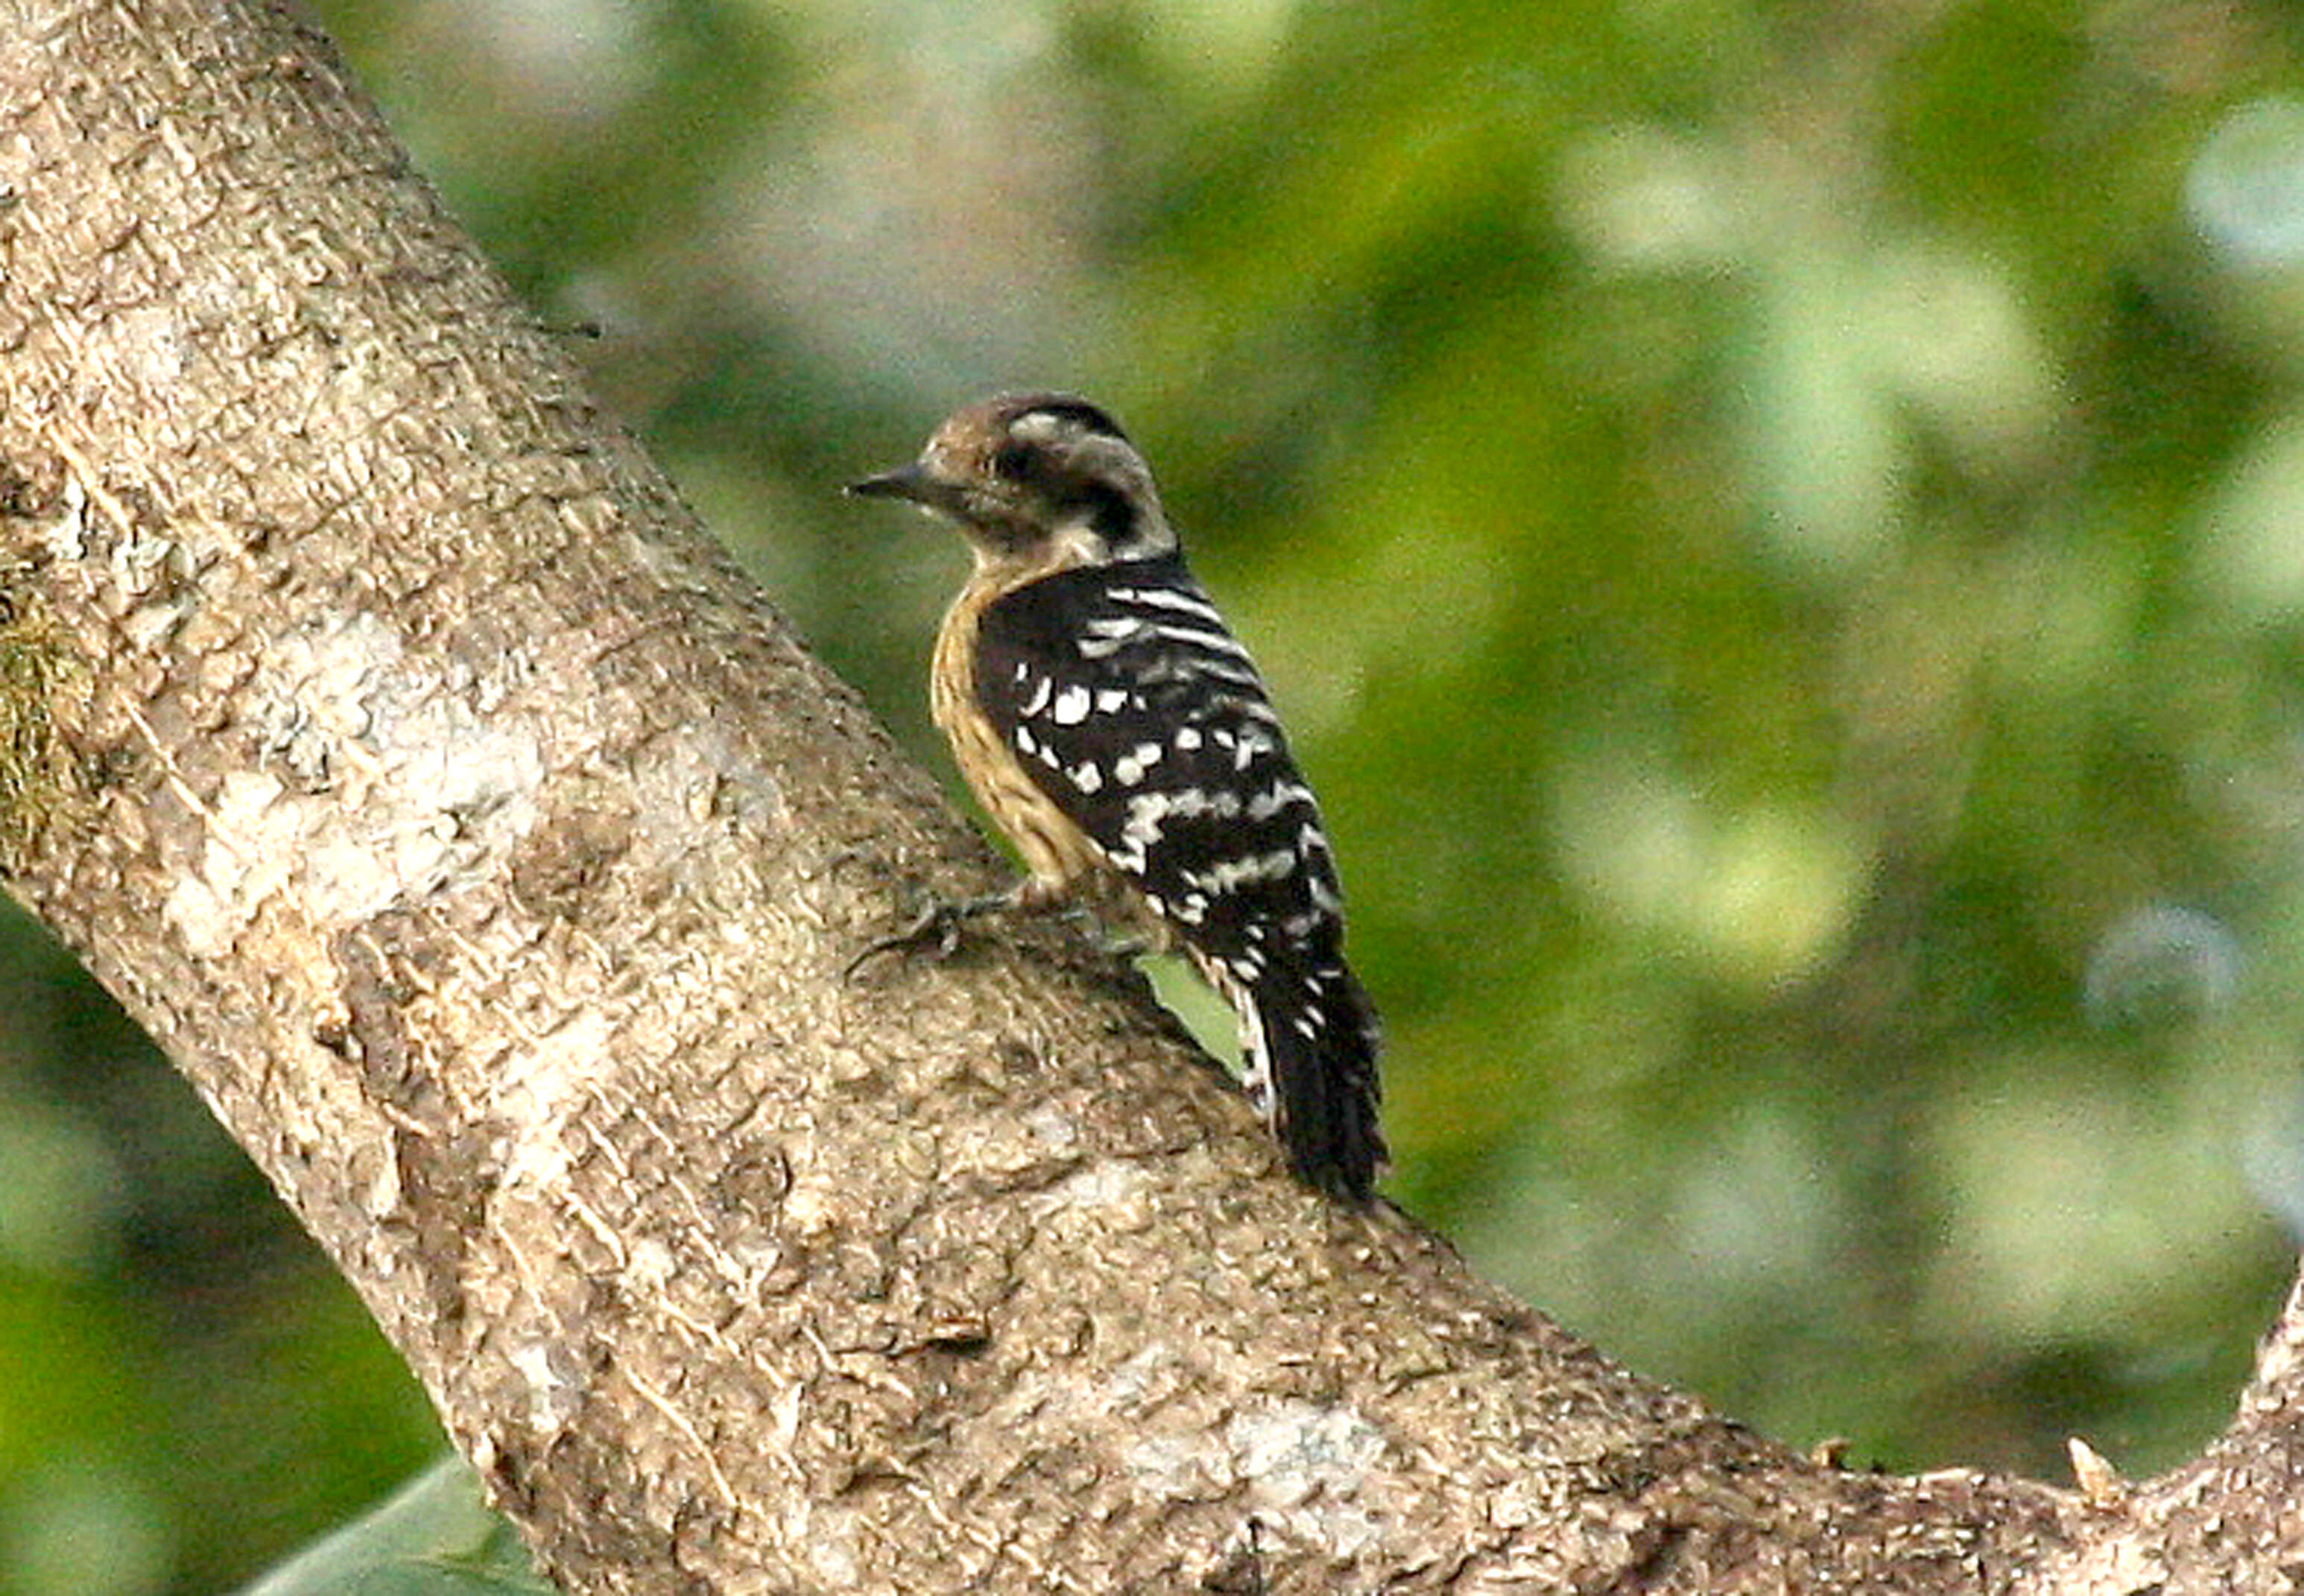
1320	1039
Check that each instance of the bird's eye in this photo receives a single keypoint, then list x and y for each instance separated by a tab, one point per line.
1011	462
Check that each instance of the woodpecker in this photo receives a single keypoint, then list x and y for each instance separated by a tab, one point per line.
1112	726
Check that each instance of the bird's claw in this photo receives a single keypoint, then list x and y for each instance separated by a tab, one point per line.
938	923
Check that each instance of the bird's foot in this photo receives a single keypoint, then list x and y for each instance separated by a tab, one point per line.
937	926
1128	944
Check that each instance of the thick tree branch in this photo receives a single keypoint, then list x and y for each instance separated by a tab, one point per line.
380	729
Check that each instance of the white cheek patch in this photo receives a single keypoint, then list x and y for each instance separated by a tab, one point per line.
1037	427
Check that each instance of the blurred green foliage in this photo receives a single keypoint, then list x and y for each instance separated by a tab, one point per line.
1779	531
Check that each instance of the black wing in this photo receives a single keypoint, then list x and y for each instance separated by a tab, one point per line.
1131	707
1130	703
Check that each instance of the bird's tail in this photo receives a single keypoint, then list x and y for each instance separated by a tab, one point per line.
1310	1039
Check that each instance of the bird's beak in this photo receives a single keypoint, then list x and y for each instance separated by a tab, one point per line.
909	482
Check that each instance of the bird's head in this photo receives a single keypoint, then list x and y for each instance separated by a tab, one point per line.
1035	480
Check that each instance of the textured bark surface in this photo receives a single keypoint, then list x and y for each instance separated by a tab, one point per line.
379	727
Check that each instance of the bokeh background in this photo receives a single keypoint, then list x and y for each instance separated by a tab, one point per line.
1779	530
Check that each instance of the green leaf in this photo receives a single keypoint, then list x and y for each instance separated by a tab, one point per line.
433	1537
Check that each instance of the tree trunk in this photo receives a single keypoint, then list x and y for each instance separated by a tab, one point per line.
381	730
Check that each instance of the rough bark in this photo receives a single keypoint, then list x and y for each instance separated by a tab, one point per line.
379	726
